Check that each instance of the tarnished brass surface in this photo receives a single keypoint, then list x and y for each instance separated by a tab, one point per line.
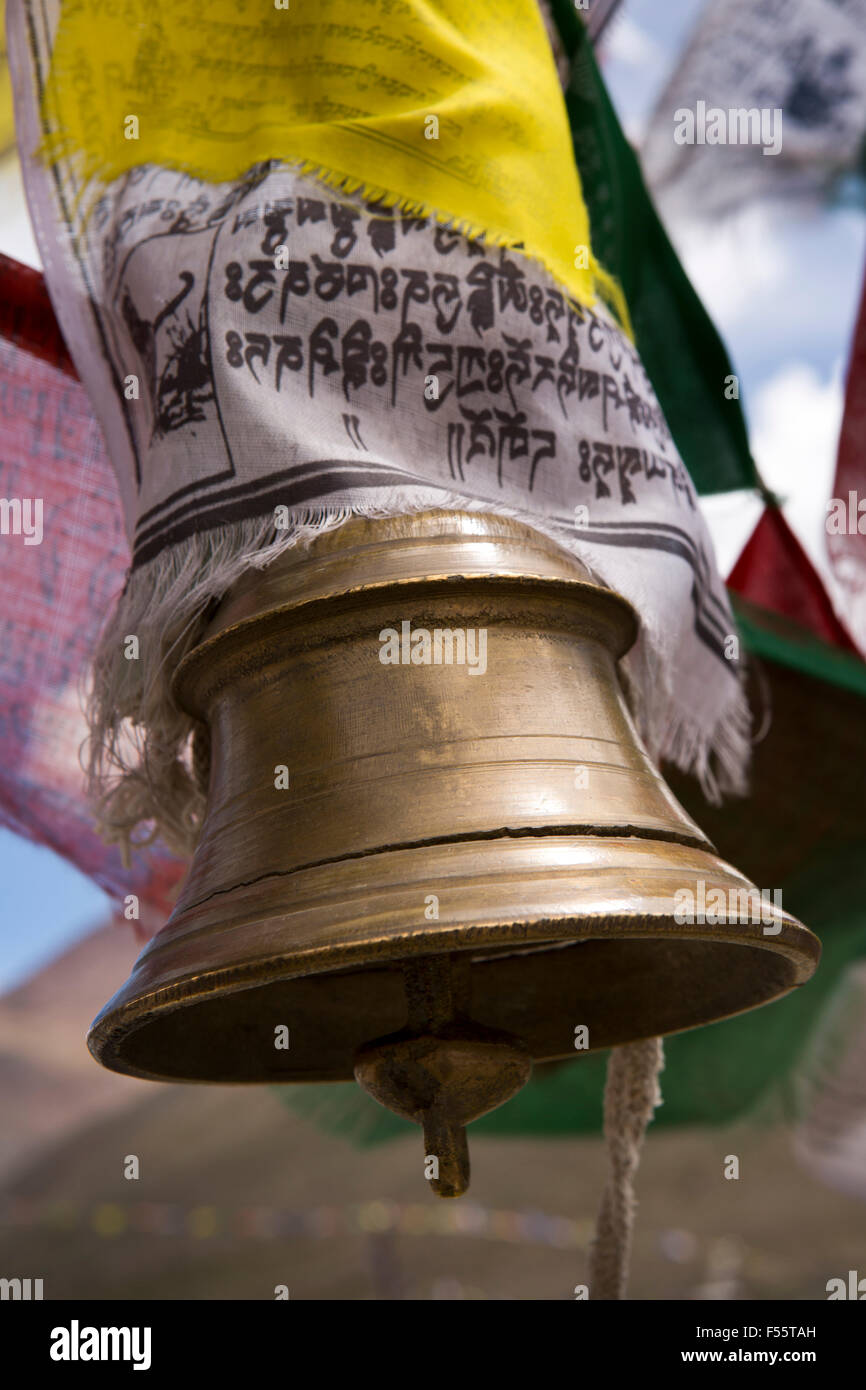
511	820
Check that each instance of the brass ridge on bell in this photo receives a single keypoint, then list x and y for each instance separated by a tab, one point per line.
464	867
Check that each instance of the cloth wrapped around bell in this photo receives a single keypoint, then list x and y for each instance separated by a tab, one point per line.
420	593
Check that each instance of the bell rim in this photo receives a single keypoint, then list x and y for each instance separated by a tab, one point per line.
144	1000
109	1030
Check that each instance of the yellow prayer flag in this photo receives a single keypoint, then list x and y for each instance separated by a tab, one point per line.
450	108
7	122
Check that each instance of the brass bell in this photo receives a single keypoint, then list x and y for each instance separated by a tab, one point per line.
425	873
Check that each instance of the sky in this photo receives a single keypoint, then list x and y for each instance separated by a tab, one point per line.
46	904
782	286
783	289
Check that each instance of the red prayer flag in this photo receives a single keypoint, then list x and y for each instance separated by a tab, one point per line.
63	558
775	572
846	519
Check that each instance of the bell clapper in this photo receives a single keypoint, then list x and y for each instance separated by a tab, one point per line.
443	1070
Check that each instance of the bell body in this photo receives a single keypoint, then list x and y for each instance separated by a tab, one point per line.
381	798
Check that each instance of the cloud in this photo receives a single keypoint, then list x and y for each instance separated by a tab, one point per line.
738	266
633	64
16	233
796	417
731	518
626	42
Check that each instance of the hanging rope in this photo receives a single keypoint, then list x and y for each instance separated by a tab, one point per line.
631	1095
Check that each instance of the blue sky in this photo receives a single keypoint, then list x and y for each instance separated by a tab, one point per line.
46	904
783	289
